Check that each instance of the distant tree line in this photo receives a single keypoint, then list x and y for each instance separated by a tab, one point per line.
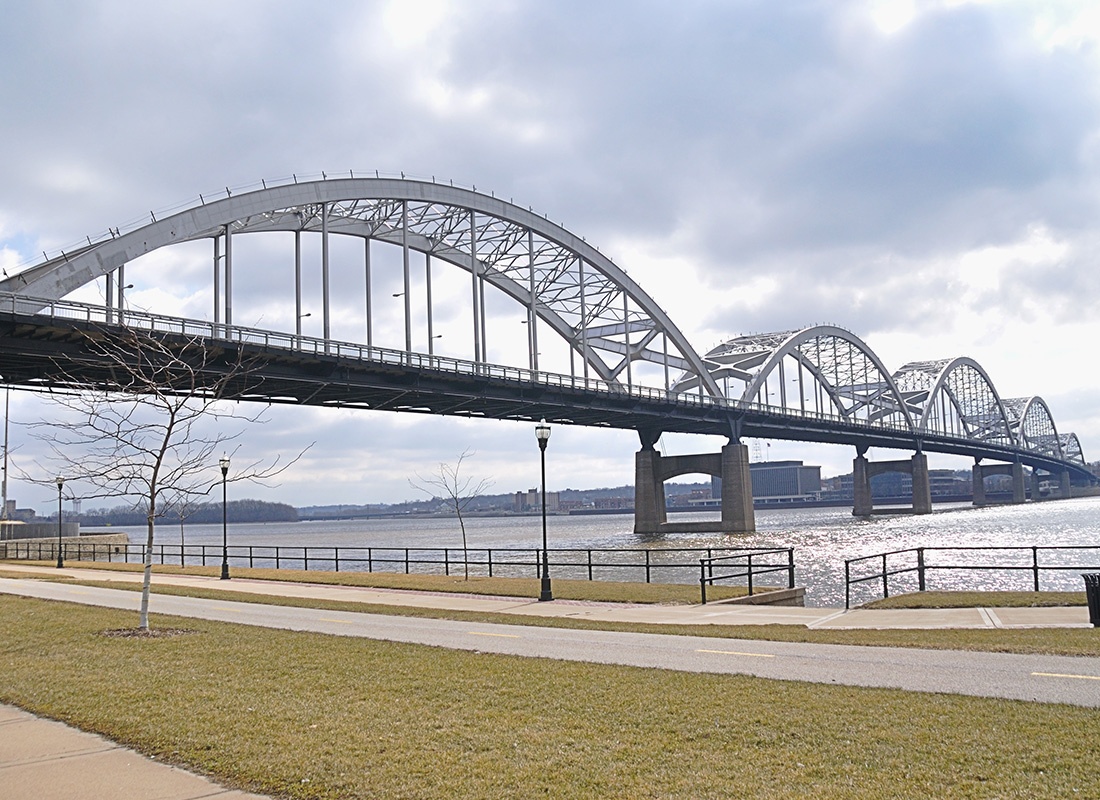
199	514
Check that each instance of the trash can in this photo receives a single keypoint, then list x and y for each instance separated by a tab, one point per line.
1092	594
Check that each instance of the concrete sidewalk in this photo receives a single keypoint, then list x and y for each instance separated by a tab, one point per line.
45	760
711	614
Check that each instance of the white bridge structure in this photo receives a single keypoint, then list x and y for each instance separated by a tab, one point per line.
367	258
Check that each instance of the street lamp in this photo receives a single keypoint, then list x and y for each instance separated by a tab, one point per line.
224	462
60	484
542	433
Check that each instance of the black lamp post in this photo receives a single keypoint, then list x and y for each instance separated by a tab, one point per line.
60	559
542	433
224	462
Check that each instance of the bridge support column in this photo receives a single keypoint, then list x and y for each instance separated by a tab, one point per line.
737	510
1035	495
861	487
1019	493
922	488
1065	488
649	491
977	480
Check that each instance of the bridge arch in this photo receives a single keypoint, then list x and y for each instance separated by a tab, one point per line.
955	397
1071	448
602	314
1034	426
834	371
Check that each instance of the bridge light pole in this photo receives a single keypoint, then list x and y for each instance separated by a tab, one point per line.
224	463
542	434
60	484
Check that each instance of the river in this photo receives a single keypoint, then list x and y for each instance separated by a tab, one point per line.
822	538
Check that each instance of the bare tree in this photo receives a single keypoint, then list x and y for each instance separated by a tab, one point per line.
149	420
457	492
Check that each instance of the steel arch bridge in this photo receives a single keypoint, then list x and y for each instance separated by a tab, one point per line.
621	361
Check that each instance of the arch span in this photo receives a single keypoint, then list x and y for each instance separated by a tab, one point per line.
954	397
560	279
832	371
1034	426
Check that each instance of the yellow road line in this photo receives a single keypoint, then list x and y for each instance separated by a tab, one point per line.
330	619
736	653
499	635
1060	675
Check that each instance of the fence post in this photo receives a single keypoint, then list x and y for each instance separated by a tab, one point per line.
749	570
370	559
305	559
589	564
447	561
406	561
276	556
885	578
647	566
490	557
336	559
251	555
847	584
790	567
703	581
1035	565
920	569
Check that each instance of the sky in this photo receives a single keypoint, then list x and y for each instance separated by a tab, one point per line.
924	174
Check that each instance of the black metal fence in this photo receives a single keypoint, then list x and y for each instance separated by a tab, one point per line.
745	567
920	562
657	565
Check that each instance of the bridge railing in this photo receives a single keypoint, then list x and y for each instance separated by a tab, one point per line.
882	570
71	310
90	313
743	566
658	565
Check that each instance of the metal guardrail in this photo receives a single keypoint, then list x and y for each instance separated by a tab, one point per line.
566	563
86	312
744	558
917	560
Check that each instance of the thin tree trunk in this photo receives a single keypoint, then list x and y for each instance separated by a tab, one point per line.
148	577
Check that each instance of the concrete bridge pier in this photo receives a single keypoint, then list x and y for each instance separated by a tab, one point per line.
1065	487
651	470
1035	496
863	470
1016	471
977	483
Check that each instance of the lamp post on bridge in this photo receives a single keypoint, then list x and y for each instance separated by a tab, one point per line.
542	433
224	463
60	484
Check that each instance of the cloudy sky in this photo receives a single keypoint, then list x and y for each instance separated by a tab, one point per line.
924	174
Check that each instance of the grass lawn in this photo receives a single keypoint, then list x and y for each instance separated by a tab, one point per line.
312	716
980	600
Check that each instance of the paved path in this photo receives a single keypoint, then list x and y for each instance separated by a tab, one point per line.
45	760
1054	679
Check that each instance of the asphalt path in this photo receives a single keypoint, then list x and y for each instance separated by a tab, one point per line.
1047	679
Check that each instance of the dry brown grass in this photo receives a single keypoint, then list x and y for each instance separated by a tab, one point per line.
310	716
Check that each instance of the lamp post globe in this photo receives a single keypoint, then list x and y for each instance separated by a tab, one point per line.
223	462
542	434
60	484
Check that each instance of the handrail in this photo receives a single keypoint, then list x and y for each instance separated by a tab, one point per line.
921	566
581	563
707	576
86	312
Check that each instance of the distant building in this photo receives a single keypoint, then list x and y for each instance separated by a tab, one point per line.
778	482
531	500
